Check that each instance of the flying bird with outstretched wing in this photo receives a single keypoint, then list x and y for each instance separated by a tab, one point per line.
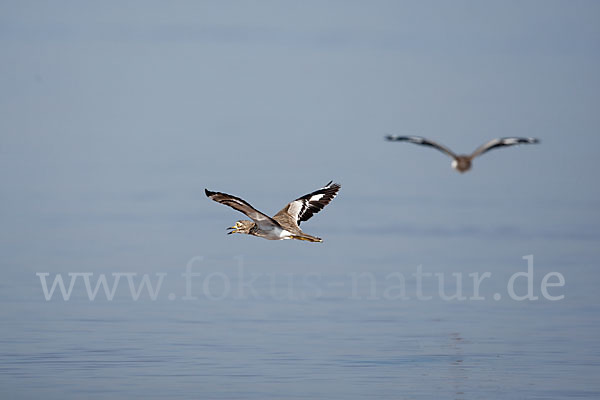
284	224
462	163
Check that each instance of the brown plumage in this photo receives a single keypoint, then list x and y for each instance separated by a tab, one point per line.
284	224
462	163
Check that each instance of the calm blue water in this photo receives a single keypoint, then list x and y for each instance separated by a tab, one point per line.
115	118
333	324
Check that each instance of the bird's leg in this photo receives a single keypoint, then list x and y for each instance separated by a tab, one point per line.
308	239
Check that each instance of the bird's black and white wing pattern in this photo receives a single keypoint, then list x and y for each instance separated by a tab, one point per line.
422	141
502	142
303	208
238	204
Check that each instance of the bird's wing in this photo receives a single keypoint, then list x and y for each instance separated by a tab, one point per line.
501	142
422	141
240	205
306	206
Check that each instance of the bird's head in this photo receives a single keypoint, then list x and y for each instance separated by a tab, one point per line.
461	164
242	226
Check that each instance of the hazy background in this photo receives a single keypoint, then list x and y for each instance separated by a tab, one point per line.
116	116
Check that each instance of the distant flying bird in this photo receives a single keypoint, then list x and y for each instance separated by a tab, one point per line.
284	224
462	163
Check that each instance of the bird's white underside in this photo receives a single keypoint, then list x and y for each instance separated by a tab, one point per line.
283	234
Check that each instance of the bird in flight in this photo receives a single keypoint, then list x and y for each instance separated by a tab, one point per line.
462	163
284	224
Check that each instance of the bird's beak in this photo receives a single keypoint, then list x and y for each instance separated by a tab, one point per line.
234	230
